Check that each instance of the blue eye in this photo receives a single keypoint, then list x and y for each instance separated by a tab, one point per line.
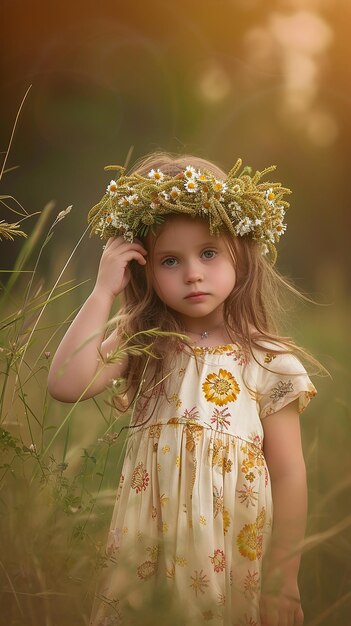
170	262
209	254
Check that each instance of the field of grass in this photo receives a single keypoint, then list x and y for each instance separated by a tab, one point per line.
60	463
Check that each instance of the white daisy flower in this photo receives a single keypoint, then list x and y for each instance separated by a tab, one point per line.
165	195
270	196
236	188
134	199
111	189
191	185
280	229
220	186
244	226
157	175
190	172
270	236
110	220
124	202
175	193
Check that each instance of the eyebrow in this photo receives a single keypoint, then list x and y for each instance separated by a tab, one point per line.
170	252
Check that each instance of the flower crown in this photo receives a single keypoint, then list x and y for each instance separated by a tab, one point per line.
241	204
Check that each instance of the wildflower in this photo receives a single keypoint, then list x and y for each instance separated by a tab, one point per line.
124	202
279	229
270	196
156	175
133	199
244	226
270	236
191	186
175	193
190	172
220	186
111	189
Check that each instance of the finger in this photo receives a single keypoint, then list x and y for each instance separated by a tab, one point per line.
132	255
298	617
109	242
120	244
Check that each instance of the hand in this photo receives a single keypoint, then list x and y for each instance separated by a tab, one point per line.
114	273
282	608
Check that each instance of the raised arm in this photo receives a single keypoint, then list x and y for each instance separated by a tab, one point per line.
280	602
77	364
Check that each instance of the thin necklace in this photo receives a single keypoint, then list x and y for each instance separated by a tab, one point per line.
205	333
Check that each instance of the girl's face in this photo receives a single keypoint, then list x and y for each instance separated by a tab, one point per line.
192	272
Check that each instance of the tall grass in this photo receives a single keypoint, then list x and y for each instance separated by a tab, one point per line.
60	464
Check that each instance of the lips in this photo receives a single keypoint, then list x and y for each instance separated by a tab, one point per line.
196	294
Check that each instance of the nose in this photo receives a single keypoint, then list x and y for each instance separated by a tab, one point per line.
193	273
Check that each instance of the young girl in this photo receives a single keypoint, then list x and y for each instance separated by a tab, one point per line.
214	443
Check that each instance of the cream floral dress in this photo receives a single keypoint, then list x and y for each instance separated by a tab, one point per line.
193	512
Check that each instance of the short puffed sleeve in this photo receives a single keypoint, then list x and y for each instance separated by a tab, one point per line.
281	379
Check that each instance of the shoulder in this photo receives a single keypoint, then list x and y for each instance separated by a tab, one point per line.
276	358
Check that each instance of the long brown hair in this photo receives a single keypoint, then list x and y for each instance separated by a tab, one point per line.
252	312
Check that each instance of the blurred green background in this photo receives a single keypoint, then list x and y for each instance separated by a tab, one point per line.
265	80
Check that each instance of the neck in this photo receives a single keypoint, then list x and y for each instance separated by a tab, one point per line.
211	335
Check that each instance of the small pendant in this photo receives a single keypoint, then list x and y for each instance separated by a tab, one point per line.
204	335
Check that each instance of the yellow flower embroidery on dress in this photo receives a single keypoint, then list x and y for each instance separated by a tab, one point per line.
181	561
220	453
254	457
153	551
221	388
155	431
226	520
198	350
250	538
163	500
269	356
202	520
199	582
174	399
193	434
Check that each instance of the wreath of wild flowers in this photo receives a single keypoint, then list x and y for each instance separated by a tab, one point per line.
242	203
